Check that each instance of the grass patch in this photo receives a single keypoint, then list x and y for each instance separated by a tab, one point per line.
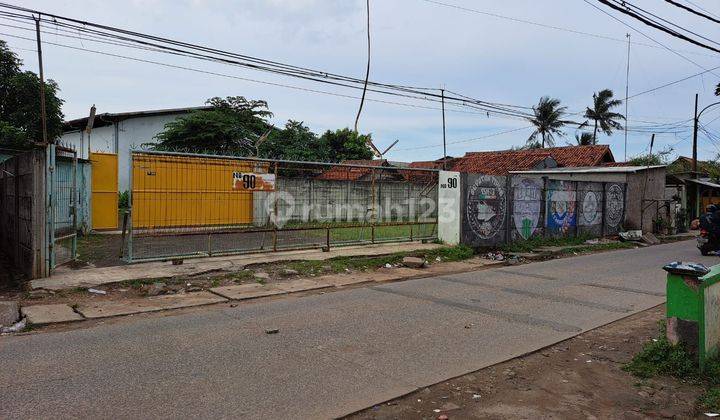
538	241
660	358
710	400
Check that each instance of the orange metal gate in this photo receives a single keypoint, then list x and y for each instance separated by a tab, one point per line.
184	191
104	190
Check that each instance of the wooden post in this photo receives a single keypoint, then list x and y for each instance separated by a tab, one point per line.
18	252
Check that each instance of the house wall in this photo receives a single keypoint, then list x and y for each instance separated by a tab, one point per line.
119	138
647	184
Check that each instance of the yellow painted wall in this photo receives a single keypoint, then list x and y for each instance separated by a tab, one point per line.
180	191
104	190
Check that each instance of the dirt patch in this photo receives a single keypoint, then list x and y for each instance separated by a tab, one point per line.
578	378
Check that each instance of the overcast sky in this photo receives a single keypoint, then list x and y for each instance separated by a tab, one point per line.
414	42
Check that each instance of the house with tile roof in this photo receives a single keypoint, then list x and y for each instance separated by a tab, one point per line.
503	161
361	170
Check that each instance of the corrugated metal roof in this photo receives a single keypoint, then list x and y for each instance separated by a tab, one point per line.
590	169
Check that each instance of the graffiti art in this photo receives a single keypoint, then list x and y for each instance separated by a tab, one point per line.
486	206
590	209
561	206
527	201
615	200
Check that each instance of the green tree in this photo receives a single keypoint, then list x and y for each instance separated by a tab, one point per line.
345	144
20	117
294	142
233	126
602	115
659	158
548	122
584	138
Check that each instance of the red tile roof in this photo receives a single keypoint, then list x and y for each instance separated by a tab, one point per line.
501	162
348	173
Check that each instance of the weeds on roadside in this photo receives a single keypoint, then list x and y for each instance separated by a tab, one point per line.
339	264
710	400
659	357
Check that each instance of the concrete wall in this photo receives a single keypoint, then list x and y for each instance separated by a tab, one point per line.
119	138
310	200
22	212
647	184
498	210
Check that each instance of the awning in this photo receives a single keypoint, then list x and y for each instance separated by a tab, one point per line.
704	182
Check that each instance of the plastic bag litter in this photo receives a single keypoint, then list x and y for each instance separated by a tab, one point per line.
17	327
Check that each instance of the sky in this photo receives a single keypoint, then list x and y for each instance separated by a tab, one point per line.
414	42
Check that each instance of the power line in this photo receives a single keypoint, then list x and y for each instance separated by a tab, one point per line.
469	140
239	77
232	58
643	11
625	10
367	70
691	10
704	10
546	26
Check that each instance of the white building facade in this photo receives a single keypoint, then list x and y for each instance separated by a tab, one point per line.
119	133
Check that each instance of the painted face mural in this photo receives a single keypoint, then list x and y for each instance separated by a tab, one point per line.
561	206
486	206
615	204
527	200
590	208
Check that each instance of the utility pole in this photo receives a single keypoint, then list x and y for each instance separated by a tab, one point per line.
695	132
442	94
43	114
627	84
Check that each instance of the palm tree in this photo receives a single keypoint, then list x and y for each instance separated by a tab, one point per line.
602	115
547	120
584	138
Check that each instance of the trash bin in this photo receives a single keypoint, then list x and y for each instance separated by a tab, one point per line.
693	308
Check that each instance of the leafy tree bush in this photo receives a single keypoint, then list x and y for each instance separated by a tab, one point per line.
20	118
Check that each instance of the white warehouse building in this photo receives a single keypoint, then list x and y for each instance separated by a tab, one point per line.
118	133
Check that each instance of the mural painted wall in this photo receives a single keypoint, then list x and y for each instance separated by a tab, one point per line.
496	210
485	204
614	207
561	208
527	200
590	208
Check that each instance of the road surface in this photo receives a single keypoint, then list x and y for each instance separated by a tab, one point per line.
335	352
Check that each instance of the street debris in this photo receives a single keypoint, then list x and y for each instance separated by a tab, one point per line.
711	414
631	235
9	312
496	256
388	265
650	239
476	396
155	289
414	262
289	272
97	291
261	276
272	331
17	327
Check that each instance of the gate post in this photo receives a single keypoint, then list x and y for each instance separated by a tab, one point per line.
449	203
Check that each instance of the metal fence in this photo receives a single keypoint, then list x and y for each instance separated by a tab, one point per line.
186	205
63	197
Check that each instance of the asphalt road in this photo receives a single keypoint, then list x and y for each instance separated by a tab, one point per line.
335	352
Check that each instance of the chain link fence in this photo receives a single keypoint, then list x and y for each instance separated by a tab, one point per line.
185	205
